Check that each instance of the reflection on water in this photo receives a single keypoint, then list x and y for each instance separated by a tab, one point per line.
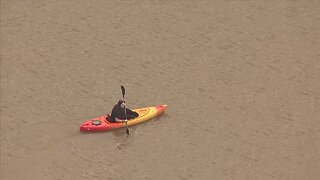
161	117
122	140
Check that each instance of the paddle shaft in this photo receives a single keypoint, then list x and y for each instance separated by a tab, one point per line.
123	90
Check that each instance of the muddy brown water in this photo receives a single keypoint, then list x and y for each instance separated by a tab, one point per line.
241	80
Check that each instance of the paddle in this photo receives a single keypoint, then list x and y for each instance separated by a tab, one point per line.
125	111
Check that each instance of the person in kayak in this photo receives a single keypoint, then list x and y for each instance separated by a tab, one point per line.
118	113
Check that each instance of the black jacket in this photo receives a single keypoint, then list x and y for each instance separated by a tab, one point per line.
118	112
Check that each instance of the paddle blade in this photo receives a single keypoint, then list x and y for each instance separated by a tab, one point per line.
123	91
127	131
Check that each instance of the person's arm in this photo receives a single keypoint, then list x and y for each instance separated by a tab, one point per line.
120	120
115	115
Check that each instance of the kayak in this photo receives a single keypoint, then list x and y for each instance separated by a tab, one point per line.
101	123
